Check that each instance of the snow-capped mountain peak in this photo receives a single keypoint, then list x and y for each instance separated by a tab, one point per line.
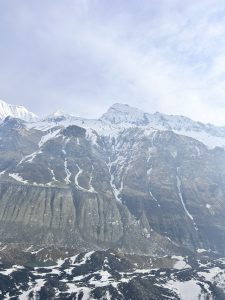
123	113
124	116
59	113
15	111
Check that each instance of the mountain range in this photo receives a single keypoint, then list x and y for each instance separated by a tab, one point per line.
143	185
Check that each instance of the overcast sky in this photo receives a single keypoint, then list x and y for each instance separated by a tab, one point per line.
82	56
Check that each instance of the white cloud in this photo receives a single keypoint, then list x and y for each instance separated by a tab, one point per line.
157	55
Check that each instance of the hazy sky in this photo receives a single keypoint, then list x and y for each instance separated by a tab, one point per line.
82	56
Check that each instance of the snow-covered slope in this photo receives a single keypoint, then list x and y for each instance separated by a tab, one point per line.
122	115
15	111
108	275
58	119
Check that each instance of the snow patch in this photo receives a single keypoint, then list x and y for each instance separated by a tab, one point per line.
91	136
29	158
50	135
53	174
115	190
80	171
180	264
67	171
91	188
182	200
18	178
11	270
186	289
39	283
149	171
201	250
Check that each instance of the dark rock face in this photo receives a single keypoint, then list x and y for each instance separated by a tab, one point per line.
64	216
179	184
143	191
74	131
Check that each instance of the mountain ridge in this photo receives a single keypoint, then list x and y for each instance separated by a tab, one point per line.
122	116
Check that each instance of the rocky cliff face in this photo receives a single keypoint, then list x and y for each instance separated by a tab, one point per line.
177	183
60	194
113	182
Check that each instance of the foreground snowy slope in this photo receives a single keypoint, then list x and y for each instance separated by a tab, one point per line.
111	275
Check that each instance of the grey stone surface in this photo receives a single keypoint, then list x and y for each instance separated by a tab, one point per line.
142	191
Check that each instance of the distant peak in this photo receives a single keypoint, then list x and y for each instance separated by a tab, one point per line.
16	111
123	113
124	107
59	113
119	106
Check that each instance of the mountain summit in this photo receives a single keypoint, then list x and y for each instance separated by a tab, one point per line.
15	111
123	113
